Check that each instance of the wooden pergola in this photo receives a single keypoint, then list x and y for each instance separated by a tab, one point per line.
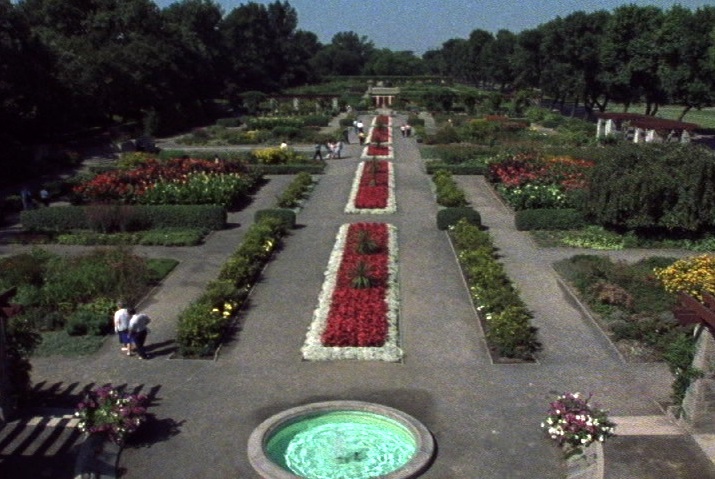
643	128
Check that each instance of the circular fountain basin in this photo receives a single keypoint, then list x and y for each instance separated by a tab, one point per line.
340	440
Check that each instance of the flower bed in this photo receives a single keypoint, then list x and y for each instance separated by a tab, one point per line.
373	189
381	130
357	323
381	152
176	181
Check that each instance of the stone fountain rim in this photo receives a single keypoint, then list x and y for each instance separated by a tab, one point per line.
257	456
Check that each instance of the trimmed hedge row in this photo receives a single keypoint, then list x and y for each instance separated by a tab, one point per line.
286	216
204	325
315	168
107	218
549	219
432	166
447	191
507	320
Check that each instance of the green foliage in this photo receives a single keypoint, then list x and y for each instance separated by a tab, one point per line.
124	218
448	217
296	191
361	276
84	321
507	321
314	168
286	216
448	192
231	122
206	322
60	343
679	355
476	168
112	273
227	190
594	237
548	219
535	196
663	186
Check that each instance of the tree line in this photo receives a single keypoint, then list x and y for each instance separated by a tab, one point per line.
66	65
633	54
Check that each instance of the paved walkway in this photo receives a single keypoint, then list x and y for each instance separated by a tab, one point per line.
485	417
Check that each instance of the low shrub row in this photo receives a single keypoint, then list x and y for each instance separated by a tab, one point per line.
433	166
156	237
206	323
449	217
106	218
549	219
506	318
313	168
296	191
447	191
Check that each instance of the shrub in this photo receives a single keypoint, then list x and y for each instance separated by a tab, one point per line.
85	321
507	321
432	166
232	122
548	219
664	186
511	333
295	191
594	237
450	216
124	217
286	216
692	276
447	191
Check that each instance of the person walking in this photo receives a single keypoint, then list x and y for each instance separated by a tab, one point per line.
138	331
45	197
318	154
121	327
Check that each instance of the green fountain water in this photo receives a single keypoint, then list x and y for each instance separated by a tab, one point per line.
342	445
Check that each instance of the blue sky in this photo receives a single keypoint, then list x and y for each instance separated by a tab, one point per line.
421	25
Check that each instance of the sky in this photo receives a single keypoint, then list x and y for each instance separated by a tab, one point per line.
421	25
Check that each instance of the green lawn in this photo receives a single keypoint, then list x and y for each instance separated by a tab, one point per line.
705	117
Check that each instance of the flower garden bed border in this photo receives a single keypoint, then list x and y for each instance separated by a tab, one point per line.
391	203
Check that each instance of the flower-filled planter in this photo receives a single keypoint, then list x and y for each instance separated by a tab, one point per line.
109	413
373	189
357	316
574	424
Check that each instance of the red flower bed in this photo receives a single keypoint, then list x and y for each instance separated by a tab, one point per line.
380	135
358	317
373	150
529	167
374	185
126	185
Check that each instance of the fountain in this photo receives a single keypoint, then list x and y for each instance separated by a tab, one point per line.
340	440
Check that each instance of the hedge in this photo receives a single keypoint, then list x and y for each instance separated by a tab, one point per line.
315	168
549	219
285	215
450	216
447	191
432	166
106	218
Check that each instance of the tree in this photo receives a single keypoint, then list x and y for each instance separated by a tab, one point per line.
630	57
387	62
496	59
684	39
347	54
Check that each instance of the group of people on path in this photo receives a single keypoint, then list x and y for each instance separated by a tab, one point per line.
334	149
28	198
132	329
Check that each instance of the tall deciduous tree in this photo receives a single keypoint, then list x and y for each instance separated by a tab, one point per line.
630	56
687	77
346	54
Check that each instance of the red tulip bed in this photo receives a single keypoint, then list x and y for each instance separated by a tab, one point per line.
373	188
357	323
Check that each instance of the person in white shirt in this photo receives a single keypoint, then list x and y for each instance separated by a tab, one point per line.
138	331
121	326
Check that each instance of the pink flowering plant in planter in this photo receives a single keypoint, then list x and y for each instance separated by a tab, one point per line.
574	424
107	411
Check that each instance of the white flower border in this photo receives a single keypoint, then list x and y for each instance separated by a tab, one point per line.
313	350
391	202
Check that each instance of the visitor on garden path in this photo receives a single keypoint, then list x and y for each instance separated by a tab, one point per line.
360	127
138	331
346	136
26	197
338	149
403	130
408	130
121	327
318	155
331	150
361	136
45	197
